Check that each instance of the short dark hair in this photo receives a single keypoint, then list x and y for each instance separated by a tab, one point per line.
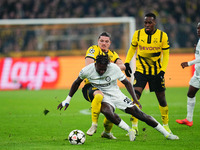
103	59
105	34
151	15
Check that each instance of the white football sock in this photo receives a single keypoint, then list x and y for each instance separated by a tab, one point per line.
161	129
190	108
123	125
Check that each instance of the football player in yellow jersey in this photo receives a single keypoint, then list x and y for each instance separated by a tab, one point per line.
152	54
92	94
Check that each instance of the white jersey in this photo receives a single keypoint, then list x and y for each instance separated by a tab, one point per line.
196	61
107	82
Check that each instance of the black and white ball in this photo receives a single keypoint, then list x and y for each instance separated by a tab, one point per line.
76	137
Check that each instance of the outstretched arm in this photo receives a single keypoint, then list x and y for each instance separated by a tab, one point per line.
120	64
131	90
190	63
72	91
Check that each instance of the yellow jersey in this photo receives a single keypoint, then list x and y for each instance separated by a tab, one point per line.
94	50
150	49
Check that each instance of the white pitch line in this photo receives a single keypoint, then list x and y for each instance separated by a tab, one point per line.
88	112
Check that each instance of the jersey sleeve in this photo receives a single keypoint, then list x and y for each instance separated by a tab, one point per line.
84	72
92	52
165	49
165	45
121	75
114	56
132	48
195	61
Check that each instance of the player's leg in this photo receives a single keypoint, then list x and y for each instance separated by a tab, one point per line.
139	84
95	96
164	110
96	106
149	120
95	111
107	129
191	100
157	84
134	120
108	112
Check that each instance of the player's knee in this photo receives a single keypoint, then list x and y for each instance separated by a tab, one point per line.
190	95
98	98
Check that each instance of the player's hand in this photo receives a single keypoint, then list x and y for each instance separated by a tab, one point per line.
161	74
128	70
60	106
184	64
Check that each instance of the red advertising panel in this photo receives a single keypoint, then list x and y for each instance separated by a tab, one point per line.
36	73
28	73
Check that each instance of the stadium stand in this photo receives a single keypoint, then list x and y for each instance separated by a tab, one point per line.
177	17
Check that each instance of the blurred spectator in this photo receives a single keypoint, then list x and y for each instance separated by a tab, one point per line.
177	17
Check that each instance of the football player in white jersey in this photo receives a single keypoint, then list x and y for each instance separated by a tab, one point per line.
194	84
104	75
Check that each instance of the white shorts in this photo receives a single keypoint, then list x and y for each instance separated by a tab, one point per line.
195	82
119	101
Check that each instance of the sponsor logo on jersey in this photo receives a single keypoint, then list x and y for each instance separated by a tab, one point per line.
108	79
155	40
100	85
148	48
92	55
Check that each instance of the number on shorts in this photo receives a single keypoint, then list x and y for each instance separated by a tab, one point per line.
127	100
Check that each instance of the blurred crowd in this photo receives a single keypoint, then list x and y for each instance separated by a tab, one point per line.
176	17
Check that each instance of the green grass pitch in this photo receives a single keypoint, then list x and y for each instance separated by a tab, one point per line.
24	126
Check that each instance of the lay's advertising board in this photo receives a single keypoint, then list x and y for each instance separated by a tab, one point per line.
36	73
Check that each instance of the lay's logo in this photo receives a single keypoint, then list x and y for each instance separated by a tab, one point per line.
30	73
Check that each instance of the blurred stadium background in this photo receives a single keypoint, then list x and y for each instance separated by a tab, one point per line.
38	54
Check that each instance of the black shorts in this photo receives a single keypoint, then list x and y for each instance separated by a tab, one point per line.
88	91
156	84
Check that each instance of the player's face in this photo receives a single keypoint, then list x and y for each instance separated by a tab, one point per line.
198	29
100	68
104	43
149	25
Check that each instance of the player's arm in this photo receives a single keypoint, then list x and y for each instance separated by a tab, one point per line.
190	63
165	60
120	64
88	61
130	54
91	54
165	50
72	91
132	48
130	89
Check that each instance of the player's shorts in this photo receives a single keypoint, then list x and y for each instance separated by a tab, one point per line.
195	82
118	100
88	91
156	84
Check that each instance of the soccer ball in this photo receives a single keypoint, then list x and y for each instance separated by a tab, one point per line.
76	137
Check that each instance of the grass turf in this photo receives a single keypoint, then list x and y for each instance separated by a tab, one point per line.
24	126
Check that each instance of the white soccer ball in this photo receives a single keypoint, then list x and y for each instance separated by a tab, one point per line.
76	137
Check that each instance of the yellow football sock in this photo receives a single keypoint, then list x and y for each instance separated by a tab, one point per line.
134	120
107	125
164	114
96	107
